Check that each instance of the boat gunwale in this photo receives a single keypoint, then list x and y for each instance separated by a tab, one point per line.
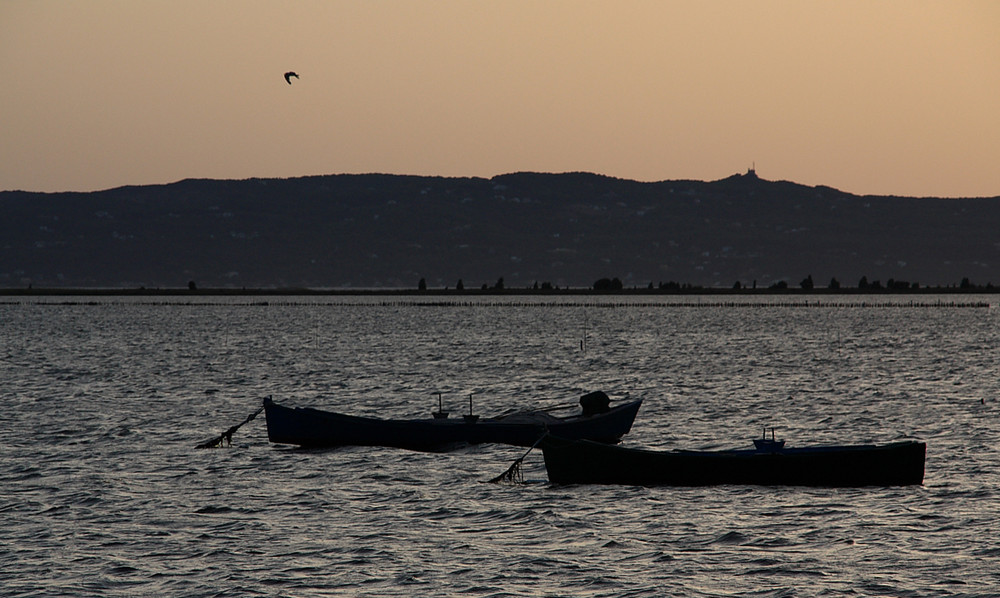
497	420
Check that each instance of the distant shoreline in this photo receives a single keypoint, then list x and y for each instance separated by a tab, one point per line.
638	292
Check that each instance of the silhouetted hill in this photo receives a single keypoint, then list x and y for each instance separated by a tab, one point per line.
385	231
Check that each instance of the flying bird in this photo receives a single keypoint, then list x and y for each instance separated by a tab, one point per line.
289	75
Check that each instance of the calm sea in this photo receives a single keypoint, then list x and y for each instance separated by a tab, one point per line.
103	494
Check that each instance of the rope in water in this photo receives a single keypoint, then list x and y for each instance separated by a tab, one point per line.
227	436
514	475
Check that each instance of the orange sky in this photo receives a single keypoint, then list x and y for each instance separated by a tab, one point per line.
873	97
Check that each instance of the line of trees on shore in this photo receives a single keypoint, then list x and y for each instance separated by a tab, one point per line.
806	285
864	284
602	285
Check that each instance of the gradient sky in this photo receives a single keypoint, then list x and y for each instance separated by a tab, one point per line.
872	97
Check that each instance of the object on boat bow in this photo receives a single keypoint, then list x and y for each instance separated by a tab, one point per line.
769	446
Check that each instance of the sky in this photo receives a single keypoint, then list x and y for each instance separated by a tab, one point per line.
883	97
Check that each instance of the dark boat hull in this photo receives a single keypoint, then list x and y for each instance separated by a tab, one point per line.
315	428
581	462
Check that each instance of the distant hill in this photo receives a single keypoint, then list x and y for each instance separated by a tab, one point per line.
567	230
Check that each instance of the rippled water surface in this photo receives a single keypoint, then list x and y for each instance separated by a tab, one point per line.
102	492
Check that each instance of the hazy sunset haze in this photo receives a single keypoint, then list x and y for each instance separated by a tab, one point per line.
894	97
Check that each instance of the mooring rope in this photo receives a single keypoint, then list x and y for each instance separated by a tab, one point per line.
514	475
227	436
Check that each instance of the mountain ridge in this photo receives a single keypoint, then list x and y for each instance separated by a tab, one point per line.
565	229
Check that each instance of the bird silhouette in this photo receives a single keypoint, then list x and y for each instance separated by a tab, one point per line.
289	75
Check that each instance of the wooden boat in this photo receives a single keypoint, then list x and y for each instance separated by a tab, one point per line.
769	464
309	427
